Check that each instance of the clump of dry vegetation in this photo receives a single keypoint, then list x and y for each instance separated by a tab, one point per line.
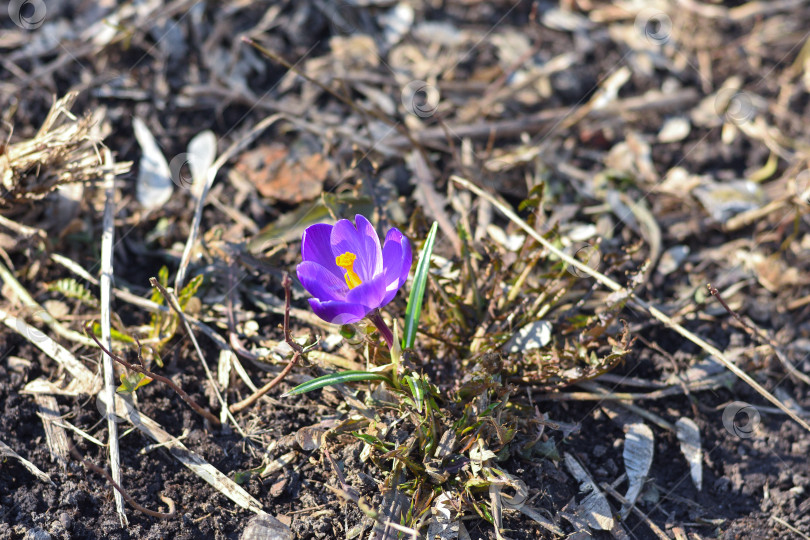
65	150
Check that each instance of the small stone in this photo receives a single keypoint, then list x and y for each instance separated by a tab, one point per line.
278	487
722	485
674	130
66	520
672	259
37	534
534	335
266	527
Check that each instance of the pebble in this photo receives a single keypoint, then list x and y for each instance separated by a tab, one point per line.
266	527
37	534
674	130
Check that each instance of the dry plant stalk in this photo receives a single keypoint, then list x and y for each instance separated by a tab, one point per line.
64	151
139	368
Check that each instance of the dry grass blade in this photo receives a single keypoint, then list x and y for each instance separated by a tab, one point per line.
54	433
171	299
84	379
616	495
594	508
32	307
757	334
297	351
634	299
205	413
143	303
7	451
107	238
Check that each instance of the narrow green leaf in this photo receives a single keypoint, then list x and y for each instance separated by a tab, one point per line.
114	334
414	309
163	279
415	384
189	290
240	477
337	378
373	441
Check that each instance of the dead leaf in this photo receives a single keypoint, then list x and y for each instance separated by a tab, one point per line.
727	199
266	527
154	187
444	524
279	175
689	436
771	271
638	456
595	508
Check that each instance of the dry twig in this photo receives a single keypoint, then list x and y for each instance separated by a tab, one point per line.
757	334
121	491
297	351
154	376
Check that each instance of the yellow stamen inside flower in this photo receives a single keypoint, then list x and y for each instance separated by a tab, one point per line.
346	261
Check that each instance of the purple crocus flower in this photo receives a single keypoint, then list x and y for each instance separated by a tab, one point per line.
349	274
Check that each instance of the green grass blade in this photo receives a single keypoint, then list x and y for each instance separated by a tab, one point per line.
414	309
415	384
337	378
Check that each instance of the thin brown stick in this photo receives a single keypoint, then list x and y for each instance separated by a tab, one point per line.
616	495
174	303
297	352
154	376
127	497
757	334
714	292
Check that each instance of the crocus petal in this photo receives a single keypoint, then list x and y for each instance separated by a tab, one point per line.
407	260
362	241
338	312
321	283
316	246
389	295
396	259
372	244
370	293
